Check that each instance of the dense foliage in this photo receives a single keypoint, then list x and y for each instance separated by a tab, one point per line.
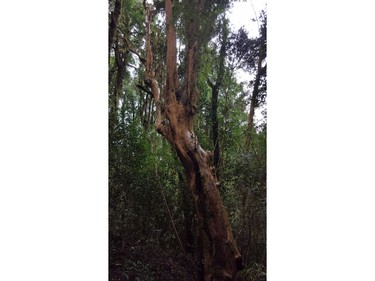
152	223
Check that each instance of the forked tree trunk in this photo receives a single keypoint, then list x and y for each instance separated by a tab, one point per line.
174	122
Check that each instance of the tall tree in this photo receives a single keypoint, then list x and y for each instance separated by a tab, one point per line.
113	21
176	107
249	54
261	67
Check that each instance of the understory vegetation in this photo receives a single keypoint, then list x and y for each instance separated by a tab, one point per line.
155	228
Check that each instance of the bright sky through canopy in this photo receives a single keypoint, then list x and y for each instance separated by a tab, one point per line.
243	11
241	14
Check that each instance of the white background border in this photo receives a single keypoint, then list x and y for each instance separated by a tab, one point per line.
53	150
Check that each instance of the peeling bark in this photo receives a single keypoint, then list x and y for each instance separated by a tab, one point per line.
221	259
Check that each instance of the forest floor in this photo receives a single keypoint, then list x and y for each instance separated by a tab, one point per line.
141	261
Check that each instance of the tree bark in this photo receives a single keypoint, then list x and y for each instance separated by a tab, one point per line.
121	53
214	99
113	23
215	129
254	96
174	122
187	208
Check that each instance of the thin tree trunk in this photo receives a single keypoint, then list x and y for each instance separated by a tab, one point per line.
117	93
215	129
214	99
113	23
121	58
254	96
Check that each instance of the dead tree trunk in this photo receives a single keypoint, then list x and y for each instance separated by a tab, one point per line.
175	123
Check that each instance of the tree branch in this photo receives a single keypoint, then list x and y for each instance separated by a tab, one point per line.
132	66
138	55
150	79
143	88
209	82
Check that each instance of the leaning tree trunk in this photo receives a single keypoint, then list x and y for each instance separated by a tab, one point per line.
174	122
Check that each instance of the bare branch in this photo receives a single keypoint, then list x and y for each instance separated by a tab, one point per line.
138	55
